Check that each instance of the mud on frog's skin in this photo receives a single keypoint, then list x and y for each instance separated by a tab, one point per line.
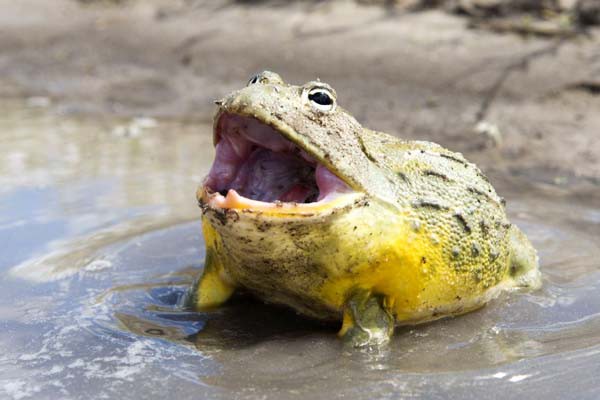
305	207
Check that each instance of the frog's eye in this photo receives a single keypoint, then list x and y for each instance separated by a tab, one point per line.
321	99
254	79
266	77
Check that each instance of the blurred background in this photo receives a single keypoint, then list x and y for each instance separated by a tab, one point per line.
105	133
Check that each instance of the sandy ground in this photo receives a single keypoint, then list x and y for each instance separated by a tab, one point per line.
526	105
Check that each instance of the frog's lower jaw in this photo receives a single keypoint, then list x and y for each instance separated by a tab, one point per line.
245	239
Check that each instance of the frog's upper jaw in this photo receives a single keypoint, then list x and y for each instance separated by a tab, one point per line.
257	168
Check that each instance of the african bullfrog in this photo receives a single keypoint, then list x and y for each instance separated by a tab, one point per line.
306	208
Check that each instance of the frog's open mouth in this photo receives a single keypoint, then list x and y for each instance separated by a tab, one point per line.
256	164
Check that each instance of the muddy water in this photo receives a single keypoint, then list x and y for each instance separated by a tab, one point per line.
101	241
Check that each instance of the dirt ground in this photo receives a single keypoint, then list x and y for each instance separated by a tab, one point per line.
526	104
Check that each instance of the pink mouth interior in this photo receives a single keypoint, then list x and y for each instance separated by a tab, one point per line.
258	163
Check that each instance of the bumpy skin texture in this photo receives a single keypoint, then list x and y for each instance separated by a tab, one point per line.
424	233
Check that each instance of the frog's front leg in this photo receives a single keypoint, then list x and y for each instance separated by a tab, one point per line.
367	322
213	288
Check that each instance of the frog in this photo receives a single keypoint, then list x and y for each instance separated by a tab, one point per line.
303	207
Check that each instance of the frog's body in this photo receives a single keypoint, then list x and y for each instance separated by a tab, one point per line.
407	231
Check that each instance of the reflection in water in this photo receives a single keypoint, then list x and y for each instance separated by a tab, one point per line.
79	178
93	303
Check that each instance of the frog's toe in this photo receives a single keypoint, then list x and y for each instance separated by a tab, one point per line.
367	323
211	290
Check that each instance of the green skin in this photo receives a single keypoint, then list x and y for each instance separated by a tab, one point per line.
440	225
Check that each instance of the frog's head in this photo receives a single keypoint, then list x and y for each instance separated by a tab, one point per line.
286	149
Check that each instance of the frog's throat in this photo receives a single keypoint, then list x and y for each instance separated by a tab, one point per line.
257	167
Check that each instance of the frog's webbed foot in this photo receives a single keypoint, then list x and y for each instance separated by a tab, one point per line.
366	320
212	289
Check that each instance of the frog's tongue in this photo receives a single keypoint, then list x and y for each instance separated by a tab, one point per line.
258	163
